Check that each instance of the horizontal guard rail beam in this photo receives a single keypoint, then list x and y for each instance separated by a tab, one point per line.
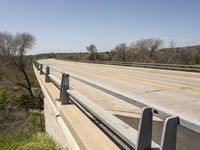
126	132
157	110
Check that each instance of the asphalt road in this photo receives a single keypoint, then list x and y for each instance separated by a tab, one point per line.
176	91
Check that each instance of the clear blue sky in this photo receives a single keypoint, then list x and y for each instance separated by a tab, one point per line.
71	25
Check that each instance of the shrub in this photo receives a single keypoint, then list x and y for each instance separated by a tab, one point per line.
3	98
23	99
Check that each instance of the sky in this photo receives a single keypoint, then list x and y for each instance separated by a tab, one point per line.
71	25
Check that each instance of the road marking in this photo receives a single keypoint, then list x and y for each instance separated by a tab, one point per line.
150	82
162	84
146	81
193	75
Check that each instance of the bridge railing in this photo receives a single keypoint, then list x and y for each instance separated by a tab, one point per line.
177	67
139	140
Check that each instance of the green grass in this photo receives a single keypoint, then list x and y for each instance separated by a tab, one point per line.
30	138
37	141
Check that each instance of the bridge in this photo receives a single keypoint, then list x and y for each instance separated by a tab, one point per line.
93	106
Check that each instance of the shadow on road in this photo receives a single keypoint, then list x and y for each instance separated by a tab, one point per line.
186	139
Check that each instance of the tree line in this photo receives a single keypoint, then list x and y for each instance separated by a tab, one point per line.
149	50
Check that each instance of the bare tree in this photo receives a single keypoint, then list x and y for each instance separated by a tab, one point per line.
149	44
147	47
172	44
14	47
171	53
92	50
121	51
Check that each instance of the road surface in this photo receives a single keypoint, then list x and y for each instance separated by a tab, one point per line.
176	91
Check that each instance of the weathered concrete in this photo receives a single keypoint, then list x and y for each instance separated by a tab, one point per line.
68	125
186	139
173	90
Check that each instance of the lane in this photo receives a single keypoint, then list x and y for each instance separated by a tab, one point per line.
128	72
186	139
177	91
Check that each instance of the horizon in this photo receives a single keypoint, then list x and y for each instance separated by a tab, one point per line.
70	26
85	51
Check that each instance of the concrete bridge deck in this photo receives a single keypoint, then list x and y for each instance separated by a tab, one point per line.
68	125
177	91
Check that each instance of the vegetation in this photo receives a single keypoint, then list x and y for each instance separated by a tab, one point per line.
38	141
14	96
13	48
93	51
21	100
30	138
145	51
16	106
20	94
2	98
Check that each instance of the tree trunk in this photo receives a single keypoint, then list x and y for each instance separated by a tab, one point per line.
27	80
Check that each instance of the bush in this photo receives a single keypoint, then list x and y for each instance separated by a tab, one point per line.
23	99
3	98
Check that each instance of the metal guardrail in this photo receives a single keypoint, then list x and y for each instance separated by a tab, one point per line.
139	140
178	67
158	111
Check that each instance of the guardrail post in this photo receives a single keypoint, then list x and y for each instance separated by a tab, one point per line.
38	65
64	96
47	74
41	67
168	140
145	130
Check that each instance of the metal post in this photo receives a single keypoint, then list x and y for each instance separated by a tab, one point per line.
145	130
41	67
64	96
38	64
47	74
168	140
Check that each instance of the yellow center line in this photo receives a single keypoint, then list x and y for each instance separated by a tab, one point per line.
150	82
161	83
148	70
146	81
